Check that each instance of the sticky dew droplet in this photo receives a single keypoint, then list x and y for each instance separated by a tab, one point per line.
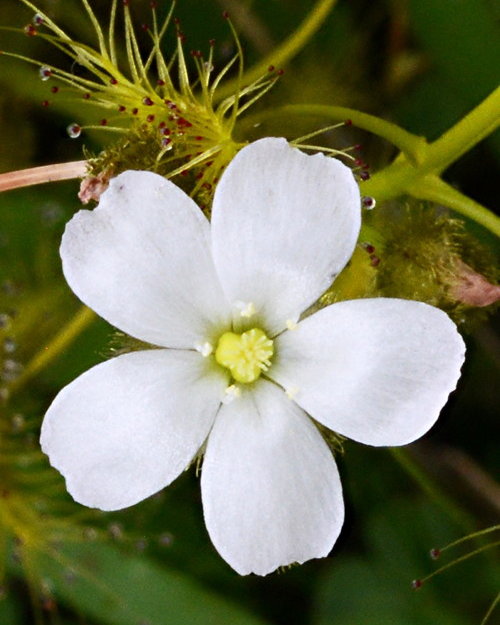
17	422
30	30
368	202
9	345
74	131
165	540
45	72
115	530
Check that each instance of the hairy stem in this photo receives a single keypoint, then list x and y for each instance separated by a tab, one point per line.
41	175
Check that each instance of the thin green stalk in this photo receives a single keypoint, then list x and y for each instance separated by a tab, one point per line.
55	347
417	169
412	145
494	604
285	51
463	558
402	457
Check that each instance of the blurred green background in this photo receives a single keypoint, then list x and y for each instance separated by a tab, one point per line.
421	63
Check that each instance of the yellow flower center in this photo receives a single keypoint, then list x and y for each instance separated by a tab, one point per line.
246	355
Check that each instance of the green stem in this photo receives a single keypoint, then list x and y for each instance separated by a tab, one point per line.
285	51
469	131
402	457
412	145
58	344
434	189
417	169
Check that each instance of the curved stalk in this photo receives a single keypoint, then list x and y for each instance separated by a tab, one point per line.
411	145
285	51
434	189
465	134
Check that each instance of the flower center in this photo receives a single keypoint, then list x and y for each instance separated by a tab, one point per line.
246	355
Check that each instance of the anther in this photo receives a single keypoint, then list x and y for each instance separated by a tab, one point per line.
38	19
205	349
231	393
246	309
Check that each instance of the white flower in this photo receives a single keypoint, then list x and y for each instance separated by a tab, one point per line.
146	259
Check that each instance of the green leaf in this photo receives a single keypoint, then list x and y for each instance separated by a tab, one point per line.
119	589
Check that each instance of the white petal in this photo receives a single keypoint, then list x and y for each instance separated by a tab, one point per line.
376	370
283	226
270	487
127	427
142	260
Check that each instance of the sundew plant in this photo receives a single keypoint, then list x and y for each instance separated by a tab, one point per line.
249	266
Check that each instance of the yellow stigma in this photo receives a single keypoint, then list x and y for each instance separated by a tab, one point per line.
246	355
